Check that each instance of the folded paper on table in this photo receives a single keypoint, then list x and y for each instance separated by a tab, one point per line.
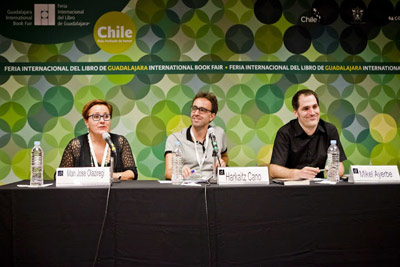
242	175
83	176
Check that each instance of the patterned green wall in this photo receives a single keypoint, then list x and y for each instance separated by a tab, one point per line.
148	107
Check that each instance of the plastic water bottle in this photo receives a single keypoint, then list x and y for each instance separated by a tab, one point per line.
332	162
36	165
177	164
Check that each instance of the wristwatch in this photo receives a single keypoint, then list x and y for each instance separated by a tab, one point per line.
119	176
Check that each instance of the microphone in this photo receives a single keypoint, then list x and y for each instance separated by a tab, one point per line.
213	141
106	136
217	162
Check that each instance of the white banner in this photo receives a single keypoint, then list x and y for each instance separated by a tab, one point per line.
242	175
374	174
83	176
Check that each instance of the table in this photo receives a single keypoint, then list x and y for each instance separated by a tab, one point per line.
153	224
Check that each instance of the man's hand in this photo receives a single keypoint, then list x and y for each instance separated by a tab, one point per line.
186	171
307	172
223	164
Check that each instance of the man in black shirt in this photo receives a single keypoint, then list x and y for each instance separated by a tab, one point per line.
300	146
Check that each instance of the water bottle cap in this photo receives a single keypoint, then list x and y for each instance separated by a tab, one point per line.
333	142
36	143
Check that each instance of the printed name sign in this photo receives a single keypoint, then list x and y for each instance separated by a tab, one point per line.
86	176
242	175
374	174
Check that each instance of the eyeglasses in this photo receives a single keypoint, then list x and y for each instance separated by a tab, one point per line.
201	110
97	117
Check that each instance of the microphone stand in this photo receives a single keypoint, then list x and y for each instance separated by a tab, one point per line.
113	160
216	158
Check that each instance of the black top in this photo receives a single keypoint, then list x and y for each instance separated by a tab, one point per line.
77	154
294	149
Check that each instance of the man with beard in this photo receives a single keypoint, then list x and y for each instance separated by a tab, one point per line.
300	147
195	142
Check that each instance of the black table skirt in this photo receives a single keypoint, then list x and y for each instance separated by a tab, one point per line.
153	224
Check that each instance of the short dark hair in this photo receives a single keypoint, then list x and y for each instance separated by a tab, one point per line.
210	97
89	105
295	99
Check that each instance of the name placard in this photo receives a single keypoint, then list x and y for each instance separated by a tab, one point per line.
242	175
83	176
374	174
